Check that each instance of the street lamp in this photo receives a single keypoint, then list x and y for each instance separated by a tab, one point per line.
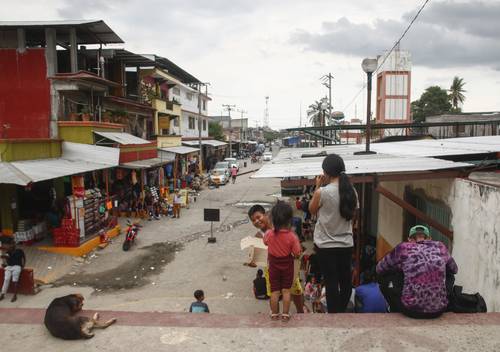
369	66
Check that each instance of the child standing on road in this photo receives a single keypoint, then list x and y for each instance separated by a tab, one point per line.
177	205
199	306
282	246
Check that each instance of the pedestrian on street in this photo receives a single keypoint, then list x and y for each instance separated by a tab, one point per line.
234	173
15	261
177	205
334	203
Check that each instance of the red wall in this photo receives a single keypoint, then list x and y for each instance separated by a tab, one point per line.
24	94
127	156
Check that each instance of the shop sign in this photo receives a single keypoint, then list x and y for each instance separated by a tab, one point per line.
78	186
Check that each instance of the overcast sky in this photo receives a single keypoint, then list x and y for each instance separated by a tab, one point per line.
281	48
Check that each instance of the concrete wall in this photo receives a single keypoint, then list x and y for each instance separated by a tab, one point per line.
25	94
475	222
476	247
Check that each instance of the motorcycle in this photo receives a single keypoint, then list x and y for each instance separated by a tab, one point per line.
132	231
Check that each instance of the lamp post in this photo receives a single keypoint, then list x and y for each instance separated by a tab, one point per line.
369	66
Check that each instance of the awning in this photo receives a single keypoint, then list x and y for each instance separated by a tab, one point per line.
121	138
180	150
210	142
75	159
145	164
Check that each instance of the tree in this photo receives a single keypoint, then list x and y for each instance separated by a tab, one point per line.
215	131
456	93
434	101
317	110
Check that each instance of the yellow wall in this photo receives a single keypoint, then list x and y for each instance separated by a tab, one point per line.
84	133
169	141
13	150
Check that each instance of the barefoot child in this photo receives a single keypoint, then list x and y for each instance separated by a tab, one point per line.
282	245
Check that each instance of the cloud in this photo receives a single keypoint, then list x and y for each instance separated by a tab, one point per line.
448	34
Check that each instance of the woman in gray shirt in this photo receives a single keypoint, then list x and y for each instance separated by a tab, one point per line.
334	202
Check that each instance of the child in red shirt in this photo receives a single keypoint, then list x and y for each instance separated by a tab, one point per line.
282	246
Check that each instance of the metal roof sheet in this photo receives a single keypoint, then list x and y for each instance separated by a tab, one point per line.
122	138
422	148
75	159
210	142
357	165
88	31
145	164
180	150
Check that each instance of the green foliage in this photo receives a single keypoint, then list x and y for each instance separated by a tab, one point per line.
215	131
456	93
270	136
434	101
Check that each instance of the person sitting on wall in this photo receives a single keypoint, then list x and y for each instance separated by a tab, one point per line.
414	274
15	261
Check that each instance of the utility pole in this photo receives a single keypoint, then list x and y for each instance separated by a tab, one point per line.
242	130
266	113
199	84
327	82
229	108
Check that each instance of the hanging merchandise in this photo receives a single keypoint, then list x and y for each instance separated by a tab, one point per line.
78	186
168	170
134	177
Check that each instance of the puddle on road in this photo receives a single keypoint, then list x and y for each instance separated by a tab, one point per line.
132	274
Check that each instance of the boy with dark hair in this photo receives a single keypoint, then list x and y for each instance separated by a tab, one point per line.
199	306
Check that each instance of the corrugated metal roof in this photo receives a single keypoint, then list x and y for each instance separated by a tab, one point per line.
422	148
210	142
76	158
145	164
180	150
357	165
122	138
88	31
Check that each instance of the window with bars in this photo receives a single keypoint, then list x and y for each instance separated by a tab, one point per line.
437	210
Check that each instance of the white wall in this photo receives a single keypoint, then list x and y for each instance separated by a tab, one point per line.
475	223
186	131
476	246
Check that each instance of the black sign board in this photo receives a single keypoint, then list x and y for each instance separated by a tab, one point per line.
211	215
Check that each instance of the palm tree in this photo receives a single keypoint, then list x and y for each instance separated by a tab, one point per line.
456	92
316	111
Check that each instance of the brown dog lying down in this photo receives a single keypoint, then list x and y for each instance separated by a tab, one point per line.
62	321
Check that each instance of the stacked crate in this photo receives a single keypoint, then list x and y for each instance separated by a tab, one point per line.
67	235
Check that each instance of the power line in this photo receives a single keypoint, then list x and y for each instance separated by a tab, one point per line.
390	51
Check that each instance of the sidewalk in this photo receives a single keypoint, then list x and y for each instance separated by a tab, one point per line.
305	332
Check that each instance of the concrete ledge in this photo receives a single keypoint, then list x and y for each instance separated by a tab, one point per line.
85	248
259	321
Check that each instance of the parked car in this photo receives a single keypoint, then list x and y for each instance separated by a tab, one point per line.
220	173
267	156
233	162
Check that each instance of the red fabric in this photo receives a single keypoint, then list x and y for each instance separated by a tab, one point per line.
282	244
280	272
234	171
298	204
